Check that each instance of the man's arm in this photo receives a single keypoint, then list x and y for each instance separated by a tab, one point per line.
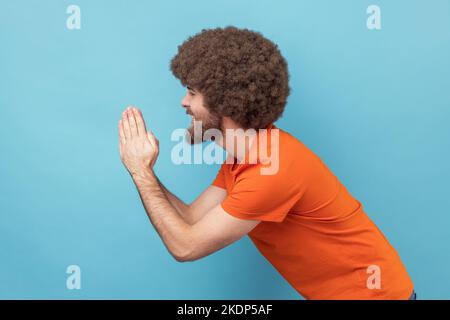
176	202
138	151
193	212
215	230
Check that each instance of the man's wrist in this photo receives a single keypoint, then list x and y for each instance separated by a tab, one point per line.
145	174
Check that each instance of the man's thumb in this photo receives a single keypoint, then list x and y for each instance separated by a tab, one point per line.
150	138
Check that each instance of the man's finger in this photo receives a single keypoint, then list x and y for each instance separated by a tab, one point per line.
132	121
121	132
126	125
140	123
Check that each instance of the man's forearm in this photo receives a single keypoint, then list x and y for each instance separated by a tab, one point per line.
181	207
172	228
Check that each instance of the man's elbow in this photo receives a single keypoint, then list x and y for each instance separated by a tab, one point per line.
185	256
196	253
185	253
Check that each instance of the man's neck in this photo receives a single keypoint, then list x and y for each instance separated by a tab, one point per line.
236	140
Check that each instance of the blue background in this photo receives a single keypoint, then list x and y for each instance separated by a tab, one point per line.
374	105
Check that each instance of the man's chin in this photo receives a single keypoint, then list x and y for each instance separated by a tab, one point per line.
191	138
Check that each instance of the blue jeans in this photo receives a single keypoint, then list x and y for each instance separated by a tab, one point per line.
413	296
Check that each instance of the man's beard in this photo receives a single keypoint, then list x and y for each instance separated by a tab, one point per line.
195	132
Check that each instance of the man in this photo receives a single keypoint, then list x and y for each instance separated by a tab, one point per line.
300	217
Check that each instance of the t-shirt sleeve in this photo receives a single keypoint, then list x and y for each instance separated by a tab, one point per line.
219	181
264	197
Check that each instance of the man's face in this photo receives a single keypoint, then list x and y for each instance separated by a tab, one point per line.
194	105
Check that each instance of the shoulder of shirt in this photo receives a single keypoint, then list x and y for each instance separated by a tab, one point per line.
291	148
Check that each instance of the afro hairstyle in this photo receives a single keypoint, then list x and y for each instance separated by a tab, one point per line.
240	73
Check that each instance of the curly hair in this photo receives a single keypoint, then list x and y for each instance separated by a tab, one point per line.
241	74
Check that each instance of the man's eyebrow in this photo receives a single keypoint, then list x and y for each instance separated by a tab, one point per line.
189	88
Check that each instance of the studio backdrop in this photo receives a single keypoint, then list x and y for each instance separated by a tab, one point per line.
370	94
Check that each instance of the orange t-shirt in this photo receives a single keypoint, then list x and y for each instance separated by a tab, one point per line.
312	230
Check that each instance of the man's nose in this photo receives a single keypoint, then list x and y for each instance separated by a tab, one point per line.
185	101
